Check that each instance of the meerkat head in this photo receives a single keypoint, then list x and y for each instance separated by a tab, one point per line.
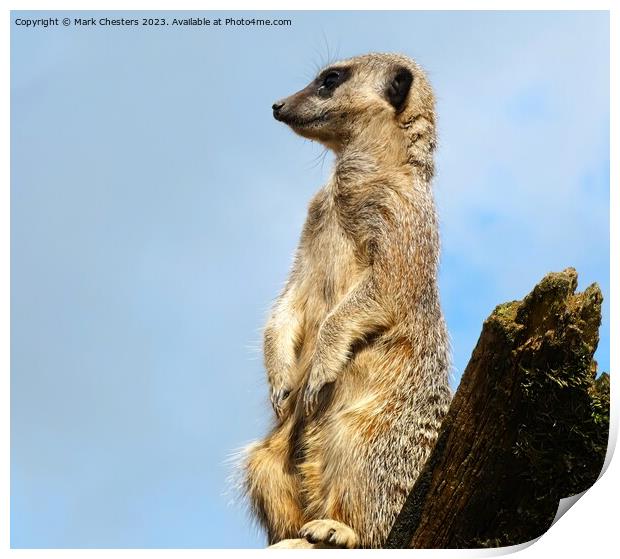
369	94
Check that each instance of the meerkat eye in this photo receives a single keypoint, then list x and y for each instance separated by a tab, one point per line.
331	79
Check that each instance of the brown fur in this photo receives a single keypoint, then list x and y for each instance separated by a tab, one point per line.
356	348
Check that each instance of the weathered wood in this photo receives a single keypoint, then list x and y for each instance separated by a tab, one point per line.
527	426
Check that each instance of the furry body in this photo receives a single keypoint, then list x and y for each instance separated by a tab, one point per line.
356	348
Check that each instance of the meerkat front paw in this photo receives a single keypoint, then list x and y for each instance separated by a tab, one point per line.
279	399
317	379
330	532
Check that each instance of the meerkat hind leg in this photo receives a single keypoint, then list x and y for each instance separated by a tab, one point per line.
273	488
330	532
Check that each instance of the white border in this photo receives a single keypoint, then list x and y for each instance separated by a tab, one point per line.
588	528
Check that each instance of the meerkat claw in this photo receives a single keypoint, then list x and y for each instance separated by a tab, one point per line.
310	397
278	399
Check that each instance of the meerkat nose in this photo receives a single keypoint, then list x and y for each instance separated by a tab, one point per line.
276	108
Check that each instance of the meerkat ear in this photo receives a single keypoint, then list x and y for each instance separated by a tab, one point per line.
398	88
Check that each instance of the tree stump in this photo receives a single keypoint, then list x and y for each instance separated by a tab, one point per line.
527	426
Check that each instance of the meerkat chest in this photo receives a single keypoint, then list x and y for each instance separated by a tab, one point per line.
329	266
331	259
333	264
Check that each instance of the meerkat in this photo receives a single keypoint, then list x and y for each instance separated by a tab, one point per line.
355	347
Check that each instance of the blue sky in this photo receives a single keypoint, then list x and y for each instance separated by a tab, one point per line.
156	205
